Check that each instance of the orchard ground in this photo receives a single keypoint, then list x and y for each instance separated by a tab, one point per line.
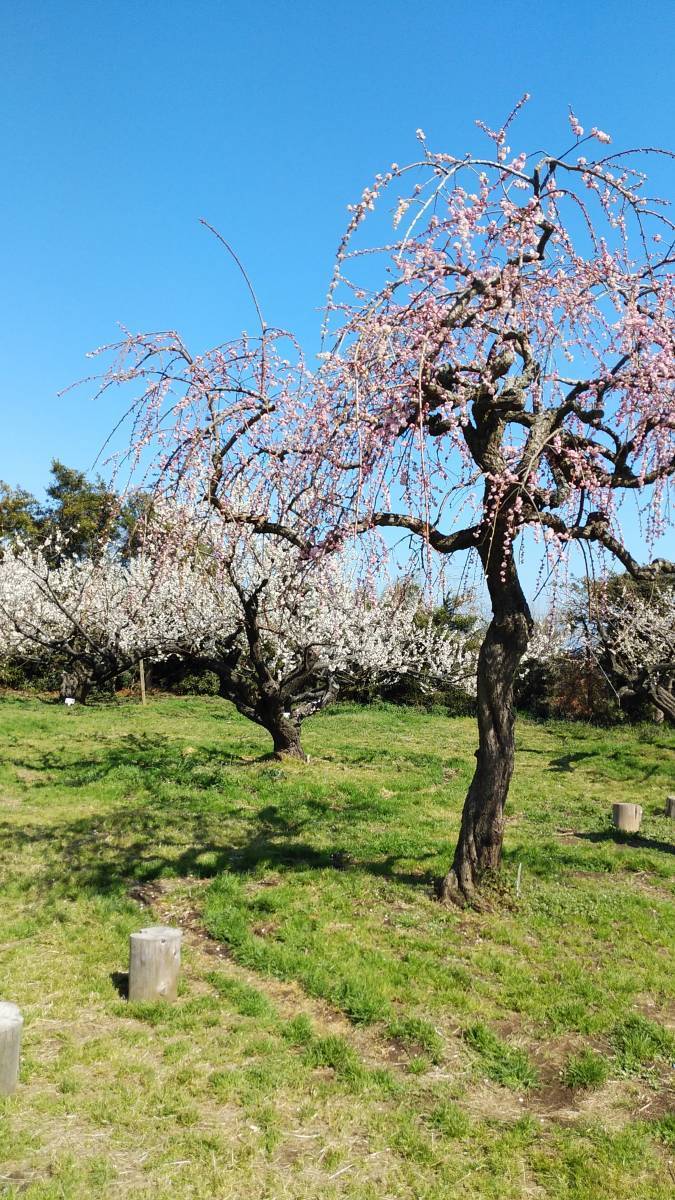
338	1032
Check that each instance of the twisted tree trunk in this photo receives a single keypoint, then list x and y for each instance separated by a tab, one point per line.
479	848
285	735
75	684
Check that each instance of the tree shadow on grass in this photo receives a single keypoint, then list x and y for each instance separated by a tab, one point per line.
160	760
635	841
170	826
164	823
632	767
108	855
550	859
566	762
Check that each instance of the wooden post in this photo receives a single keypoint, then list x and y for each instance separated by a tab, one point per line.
154	963
627	817
11	1023
141	674
670	807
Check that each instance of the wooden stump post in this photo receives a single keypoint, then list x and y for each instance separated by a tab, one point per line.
627	817
154	963
670	807
11	1023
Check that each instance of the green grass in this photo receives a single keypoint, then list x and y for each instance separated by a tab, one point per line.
502	1063
586	1070
338	1033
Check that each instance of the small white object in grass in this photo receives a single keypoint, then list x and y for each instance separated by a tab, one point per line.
69	701
11	1023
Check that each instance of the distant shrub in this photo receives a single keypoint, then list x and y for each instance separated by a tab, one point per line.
43	676
409	691
198	683
569	688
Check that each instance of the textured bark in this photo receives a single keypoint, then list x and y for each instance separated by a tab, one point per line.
479	848
285	735
75	683
663	697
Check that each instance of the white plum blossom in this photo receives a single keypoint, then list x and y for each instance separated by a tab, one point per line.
283	632
87	615
631	633
280	631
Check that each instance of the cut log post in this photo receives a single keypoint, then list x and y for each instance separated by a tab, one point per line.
627	817
11	1023
670	807
154	963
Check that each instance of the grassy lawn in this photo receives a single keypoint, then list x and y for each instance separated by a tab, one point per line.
338	1032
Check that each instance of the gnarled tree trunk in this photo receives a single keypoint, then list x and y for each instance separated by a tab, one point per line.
479	848
271	713
663	698
75	684
286	737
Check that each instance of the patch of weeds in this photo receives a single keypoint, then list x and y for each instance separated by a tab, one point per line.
266	1122
419	1065
333	1051
664	1129
174	1051
155	1012
298	1031
198	1013
449	1119
412	1142
359	1002
243	998
585	1071
68	1085
225	1084
640	1043
502	1063
383	1082
415	1032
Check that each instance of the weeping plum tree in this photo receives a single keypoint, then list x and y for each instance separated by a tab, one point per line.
516	366
512	370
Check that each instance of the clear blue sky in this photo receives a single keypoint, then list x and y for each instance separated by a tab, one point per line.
124	122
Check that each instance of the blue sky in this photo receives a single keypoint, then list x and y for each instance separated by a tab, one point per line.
123	123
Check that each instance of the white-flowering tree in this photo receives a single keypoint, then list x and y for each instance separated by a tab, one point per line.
549	644
88	617
283	633
629	631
